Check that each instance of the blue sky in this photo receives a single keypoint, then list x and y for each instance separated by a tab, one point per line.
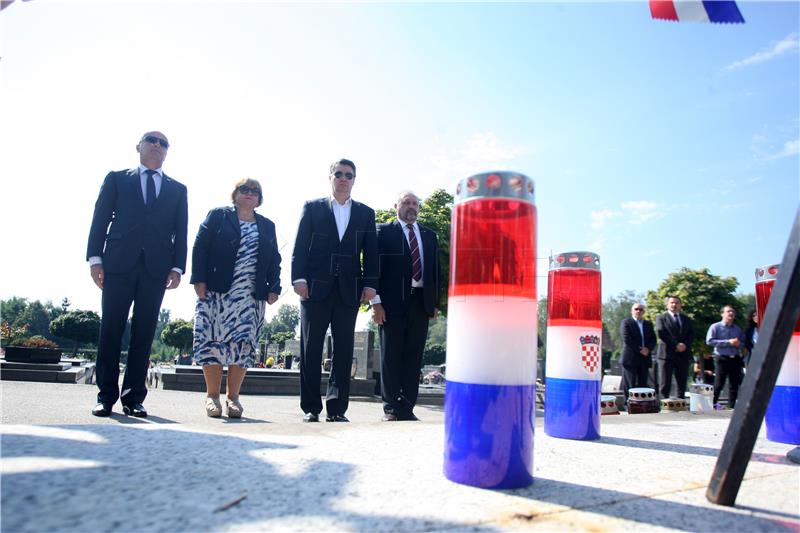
656	144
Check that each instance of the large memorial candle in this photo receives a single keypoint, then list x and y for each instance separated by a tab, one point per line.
574	331
783	411
490	400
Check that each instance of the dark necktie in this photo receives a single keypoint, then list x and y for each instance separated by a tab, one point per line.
416	267
678	322
151	188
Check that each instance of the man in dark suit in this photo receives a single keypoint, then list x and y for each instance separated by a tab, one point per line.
408	296
675	349
136	250
638	341
334	268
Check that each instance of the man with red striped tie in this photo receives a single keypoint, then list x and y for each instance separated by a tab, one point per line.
409	294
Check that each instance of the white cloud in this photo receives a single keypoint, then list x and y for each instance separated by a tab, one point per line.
788	44
642	211
479	153
600	218
754	179
790	148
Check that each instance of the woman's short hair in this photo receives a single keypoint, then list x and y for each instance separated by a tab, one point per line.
248	182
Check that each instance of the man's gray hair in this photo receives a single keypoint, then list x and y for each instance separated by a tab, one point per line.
404	193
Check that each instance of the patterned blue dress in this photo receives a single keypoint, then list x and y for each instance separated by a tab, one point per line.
227	324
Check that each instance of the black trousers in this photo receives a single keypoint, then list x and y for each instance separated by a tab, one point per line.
402	343
140	289
634	377
679	365
315	317
728	367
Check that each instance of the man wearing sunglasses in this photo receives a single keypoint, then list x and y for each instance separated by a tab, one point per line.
136	250
334	268
638	341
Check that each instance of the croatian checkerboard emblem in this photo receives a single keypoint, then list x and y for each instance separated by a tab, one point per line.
590	353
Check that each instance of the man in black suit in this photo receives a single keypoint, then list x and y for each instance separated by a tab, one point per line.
136	250
334	268
408	296
675	349
638	341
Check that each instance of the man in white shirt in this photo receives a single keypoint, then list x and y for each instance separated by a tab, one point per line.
334	269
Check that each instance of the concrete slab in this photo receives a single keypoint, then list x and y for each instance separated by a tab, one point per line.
65	470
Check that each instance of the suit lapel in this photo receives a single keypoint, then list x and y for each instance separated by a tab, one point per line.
326	205
233	220
136	183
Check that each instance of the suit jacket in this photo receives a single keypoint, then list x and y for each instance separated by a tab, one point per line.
158	231
328	263
632	341
217	245
394	284
670	335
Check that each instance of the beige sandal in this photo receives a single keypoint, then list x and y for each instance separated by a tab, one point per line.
213	407
235	409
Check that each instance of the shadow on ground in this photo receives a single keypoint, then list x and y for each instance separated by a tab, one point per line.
140	477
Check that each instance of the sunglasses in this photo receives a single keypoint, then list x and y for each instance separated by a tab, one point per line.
244	189
156	140
638	308
347	175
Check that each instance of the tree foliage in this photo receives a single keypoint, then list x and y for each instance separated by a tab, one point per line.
702	296
284	323
78	326
179	334
615	310
434	354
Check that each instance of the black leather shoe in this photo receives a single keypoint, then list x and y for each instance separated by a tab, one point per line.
410	417
135	409
337	418
102	409
389	417
311	417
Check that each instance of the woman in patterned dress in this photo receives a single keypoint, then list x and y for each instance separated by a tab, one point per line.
236	268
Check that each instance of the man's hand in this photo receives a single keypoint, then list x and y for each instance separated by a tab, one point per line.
173	280
200	290
681	347
98	275
734	341
367	294
272	298
435	314
644	351
301	288
378	314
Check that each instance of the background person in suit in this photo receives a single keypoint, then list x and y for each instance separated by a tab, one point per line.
236	267
136	250
638	341
334	268
675	331
408	296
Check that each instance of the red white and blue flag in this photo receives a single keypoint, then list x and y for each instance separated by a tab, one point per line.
720	12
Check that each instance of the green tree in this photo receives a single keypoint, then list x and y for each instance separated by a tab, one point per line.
702	296
78	326
11	309
284	322
179	334
615	310
434	213
433	354
37	317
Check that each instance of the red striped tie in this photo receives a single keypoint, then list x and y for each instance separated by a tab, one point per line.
416	268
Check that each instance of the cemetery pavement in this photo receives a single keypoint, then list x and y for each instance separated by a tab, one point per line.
65	470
